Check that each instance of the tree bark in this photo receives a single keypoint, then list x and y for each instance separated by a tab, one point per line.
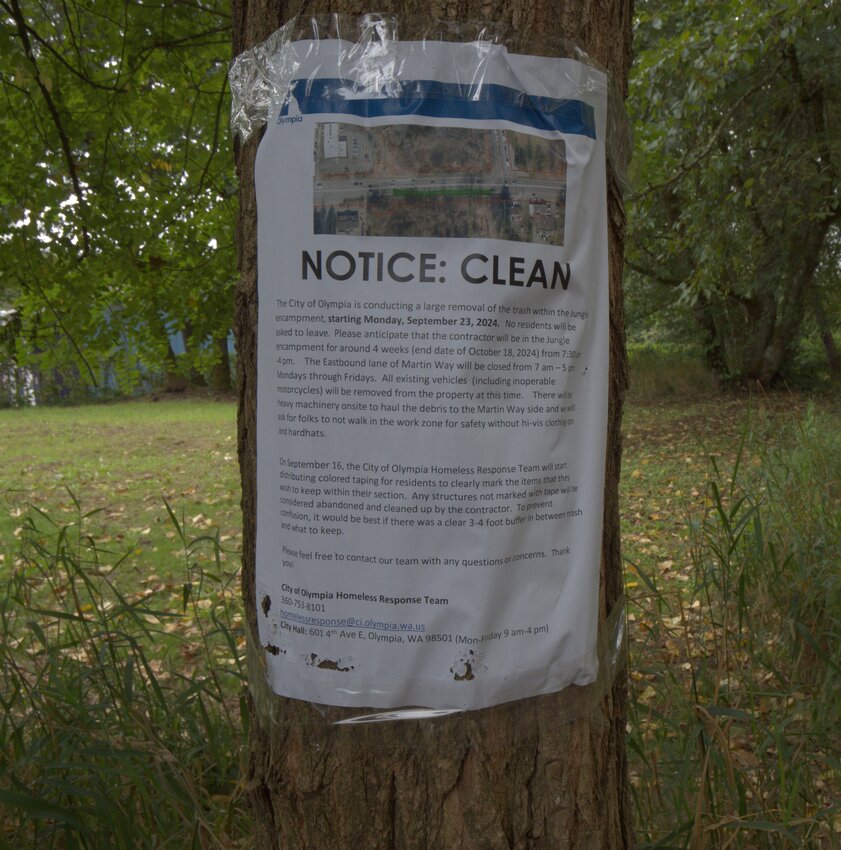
187	334
220	371
794	303
174	381
531	775
833	358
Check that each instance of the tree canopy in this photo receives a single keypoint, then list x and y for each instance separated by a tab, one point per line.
737	111
117	194
116	187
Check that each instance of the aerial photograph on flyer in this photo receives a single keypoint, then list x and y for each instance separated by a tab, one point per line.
413	180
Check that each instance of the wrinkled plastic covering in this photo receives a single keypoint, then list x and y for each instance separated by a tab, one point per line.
261	78
579	702
263	82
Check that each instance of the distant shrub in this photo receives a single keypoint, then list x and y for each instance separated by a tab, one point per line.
807	369
664	371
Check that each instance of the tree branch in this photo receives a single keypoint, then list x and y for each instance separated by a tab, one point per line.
45	44
23	35
64	330
655	276
812	95
215	145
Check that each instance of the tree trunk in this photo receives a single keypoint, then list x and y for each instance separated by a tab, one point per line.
529	775
220	371
794	302
187	334
174	381
833	359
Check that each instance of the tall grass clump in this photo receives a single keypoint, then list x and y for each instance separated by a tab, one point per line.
736	710
120	720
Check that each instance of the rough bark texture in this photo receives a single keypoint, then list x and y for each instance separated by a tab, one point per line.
833	358
532	775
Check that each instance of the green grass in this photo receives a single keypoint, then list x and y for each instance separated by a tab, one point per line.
121	625
735	729
121	628
123	460
123	710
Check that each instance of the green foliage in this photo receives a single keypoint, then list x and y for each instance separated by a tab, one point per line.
806	368
116	208
737	118
737	717
121	725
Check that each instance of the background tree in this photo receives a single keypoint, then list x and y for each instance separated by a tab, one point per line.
532	774
115	188
737	110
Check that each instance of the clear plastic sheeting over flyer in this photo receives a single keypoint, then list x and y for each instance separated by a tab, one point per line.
432	367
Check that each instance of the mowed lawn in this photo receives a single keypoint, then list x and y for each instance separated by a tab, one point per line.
119	464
